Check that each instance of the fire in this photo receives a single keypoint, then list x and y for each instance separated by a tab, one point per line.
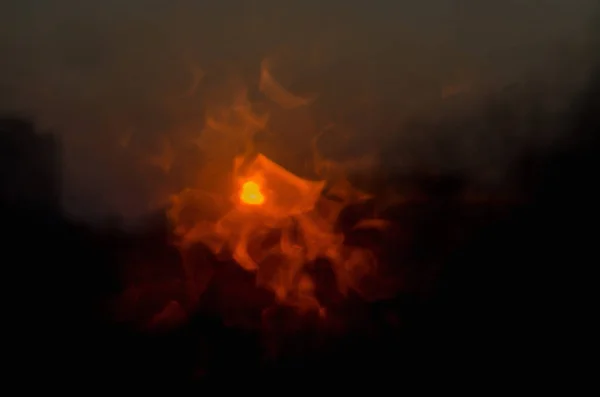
272	222
279	237
251	193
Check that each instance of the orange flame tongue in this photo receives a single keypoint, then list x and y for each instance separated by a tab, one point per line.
271	198
251	194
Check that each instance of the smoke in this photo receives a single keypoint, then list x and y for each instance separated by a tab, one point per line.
127	85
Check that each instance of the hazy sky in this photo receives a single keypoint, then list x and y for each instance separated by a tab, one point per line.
111	76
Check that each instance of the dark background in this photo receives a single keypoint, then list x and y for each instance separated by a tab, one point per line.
114	81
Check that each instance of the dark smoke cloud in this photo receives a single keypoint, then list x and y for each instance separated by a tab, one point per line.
109	76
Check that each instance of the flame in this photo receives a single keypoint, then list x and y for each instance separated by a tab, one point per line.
251	193
277	225
270	221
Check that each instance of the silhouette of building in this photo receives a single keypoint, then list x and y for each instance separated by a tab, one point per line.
30	167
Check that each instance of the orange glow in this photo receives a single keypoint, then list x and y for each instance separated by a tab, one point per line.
269	220
251	194
271	198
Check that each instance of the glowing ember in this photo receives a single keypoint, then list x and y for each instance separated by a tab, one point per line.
251	194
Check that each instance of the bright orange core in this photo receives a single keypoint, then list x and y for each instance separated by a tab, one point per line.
251	194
